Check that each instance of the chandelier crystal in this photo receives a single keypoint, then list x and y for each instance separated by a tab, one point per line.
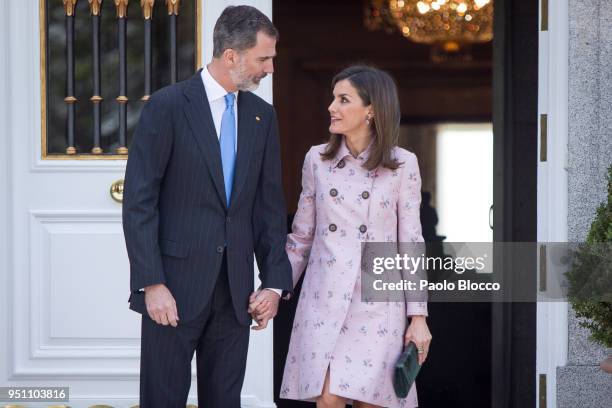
441	22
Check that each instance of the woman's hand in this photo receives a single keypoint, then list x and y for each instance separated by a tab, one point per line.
419	334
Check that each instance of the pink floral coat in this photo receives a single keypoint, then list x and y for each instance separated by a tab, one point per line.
341	205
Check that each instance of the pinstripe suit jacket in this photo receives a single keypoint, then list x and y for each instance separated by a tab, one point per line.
175	217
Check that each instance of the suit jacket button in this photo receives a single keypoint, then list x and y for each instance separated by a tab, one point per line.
341	164
333	192
220	249
365	195
333	227
363	229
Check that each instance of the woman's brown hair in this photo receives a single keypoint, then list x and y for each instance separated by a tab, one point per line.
375	87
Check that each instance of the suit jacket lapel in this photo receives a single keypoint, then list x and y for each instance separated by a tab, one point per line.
201	123
246	138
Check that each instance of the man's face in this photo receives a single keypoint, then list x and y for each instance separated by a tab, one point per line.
252	65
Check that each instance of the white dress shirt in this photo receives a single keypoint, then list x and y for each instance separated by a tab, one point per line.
216	99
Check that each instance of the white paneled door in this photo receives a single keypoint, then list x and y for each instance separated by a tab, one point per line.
64	276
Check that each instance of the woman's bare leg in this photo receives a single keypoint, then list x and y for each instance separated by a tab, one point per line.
327	400
359	404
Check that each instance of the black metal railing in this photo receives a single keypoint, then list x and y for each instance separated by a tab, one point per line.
114	58
96	99
70	99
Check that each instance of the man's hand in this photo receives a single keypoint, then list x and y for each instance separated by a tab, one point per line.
263	306
161	305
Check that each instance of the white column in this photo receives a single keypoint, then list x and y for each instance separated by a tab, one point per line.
552	325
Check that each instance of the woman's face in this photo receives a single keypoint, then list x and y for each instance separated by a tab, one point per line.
347	112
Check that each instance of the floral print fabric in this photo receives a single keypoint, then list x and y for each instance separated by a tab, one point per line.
342	205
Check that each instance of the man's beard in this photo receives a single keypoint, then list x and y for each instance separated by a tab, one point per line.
242	80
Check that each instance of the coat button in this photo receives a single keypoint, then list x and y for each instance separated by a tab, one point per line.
333	192
363	229
341	164
333	227
365	195
220	249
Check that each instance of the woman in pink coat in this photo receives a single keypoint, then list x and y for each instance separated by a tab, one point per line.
357	187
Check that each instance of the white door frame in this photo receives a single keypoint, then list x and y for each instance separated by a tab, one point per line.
5	180
553	66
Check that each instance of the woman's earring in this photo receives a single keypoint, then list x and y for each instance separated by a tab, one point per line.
368	120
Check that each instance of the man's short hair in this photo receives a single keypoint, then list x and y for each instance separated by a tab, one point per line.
237	28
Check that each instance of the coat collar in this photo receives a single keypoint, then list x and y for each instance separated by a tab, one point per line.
344	151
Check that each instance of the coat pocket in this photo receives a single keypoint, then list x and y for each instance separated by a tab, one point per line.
171	248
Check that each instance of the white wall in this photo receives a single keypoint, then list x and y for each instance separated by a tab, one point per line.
5	177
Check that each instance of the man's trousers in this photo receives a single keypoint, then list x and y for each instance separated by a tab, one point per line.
220	343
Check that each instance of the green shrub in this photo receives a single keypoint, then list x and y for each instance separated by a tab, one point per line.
590	273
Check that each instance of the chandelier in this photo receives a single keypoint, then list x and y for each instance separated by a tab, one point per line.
446	23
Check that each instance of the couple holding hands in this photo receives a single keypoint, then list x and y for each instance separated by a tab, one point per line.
203	193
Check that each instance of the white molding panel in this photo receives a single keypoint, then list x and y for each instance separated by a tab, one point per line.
69	318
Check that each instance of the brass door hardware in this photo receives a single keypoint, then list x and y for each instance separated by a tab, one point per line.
116	191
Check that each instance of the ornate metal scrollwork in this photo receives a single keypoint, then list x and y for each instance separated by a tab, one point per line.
94	7
121	8
69	6
173	7
147	8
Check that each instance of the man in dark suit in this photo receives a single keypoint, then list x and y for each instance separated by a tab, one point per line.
202	194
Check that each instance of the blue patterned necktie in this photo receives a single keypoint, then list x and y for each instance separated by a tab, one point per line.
227	140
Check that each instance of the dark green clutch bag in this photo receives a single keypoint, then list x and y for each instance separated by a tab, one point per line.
406	369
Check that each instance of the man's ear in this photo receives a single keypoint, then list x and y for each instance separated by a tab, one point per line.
230	57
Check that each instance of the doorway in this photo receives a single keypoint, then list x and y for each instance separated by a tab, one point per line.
482	355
